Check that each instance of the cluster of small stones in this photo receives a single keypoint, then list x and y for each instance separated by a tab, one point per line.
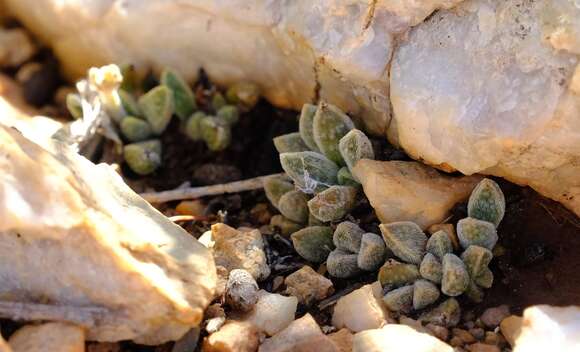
142	117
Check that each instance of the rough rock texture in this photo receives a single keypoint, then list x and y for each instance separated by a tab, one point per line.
237	249
395	337
409	191
307	285
342	339
361	309
547	328
273	312
109	261
3	345
49	337
302	335
296	50
484	88
234	336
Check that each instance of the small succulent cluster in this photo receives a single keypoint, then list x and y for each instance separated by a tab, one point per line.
422	268
319	186
143	116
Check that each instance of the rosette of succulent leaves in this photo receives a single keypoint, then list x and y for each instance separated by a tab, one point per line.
142	116
415	271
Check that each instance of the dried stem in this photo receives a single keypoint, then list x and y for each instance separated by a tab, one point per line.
198	192
84	316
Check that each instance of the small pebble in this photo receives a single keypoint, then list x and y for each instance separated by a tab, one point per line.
510	328
16	47
308	286
214	324
492	338
464	335
234	336
493	316
482	347
456	341
191	207
241	290
478	333
440	332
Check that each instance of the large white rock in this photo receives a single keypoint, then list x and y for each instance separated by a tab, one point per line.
481	89
75	237
394	338
49	337
547	328
295	50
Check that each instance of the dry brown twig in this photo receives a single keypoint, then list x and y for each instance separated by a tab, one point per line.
213	190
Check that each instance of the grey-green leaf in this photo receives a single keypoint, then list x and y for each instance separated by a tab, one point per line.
312	172
455	276
471	231
487	202
290	143
135	129
354	146
329	126
143	157
439	244
333	203
372	252
157	108
293	205
313	243
342	264
182	94
406	240
305	126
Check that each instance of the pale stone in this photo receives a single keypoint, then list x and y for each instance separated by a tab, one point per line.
117	265
307	285
491	317
547	328
479	89
4	346
16	47
362	309
236	249
395	337
273	312
510	328
338	50
234	336
342	339
423	195
302	335
49	337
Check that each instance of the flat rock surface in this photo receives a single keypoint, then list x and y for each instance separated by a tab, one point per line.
75	235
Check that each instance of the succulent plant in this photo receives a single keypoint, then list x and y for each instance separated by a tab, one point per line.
183	98
446	314
329	126
399	299
355	145
107	81
129	103
275	187
348	236
157	107
313	243
305	126
345	178
311	172
487	202
431	268
425	293
286	226
143	157
342	264
74	105
216	133
290	143
192	126
229	114
455	277
218	101
406	240
245	94
131	81
471	231
241	291
333	203
293	205
395	274
372	252
439	244
135	129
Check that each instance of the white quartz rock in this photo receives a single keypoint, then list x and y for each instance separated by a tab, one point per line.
273	312
396	337
547	328
295	50
362	309
73	234
479	89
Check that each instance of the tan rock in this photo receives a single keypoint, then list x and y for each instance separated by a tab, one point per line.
361	309
547	328
116	265
273	312
307	285
510	328
342	339
235	249
395	337
409	191
49	337
491	317
234	336
4	346
104	347
302	335
482	347
16	47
